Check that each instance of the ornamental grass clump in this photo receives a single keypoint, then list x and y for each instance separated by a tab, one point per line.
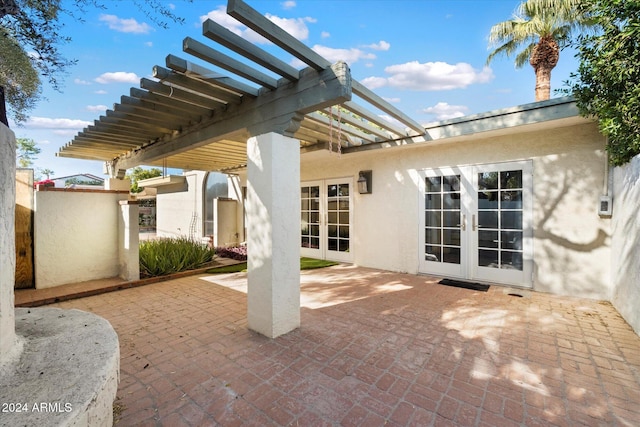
160	257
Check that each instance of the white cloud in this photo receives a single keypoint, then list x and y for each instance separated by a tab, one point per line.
81	82
125	25
350	56
430	76
117	77
325	34
444	111
101	92
96	108
374	82
297	27
220	16
149	44
381	45
290	4
56	124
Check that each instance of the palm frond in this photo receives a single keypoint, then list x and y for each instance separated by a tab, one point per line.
523	57
534	19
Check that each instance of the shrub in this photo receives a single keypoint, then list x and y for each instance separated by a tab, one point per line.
238	253
170	255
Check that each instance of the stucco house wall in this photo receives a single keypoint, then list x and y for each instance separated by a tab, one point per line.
571	242
178	212
76	236
625	254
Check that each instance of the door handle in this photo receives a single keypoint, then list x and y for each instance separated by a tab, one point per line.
463	224
474	226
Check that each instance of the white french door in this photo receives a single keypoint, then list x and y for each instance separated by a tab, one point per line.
326	219
476	223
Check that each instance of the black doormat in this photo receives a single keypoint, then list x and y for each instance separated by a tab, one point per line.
467	285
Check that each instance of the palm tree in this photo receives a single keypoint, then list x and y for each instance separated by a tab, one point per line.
47	172
541	28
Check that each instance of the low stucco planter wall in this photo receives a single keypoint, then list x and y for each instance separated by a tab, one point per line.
67	373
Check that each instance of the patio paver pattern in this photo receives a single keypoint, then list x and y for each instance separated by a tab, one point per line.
375	348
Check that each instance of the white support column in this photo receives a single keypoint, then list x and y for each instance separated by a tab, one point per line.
128	240
273	218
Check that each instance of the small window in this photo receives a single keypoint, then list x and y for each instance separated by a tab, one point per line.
215	185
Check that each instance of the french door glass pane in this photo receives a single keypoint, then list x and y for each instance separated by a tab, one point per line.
310	216
451	255
442	219
338	217
432	236
500	219
451	237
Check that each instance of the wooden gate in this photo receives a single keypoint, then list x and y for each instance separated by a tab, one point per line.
24	229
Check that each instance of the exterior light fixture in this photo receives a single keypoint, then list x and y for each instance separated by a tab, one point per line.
364	182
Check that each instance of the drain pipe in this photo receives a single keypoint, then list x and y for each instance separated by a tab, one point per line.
606	202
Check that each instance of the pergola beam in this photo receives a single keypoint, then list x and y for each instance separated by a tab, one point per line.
373	118
221	60
127	120
201	73
267	29
318	122
184	81
156	108
180	94
223	36
168	119
369	96
169	102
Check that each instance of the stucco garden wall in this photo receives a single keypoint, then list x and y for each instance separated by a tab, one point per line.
625	254
571	242
76	236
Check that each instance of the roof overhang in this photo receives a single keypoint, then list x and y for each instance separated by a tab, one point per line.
544	115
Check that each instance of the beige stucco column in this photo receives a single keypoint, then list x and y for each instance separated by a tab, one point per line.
273	218
8	339
128	240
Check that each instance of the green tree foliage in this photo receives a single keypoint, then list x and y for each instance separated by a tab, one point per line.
18	77
34	26
76	181
26	152
537	32
607	84
138	174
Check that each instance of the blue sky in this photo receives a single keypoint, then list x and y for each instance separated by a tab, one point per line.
427	57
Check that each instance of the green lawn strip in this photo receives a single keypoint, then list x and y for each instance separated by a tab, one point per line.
305	264
311	263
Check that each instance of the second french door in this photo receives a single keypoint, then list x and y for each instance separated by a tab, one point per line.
476	223
326	219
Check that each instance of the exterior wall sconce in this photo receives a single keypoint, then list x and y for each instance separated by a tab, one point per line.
364	182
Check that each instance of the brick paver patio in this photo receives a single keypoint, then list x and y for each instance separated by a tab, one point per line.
375	348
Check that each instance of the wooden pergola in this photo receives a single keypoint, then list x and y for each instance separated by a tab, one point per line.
192	117
196	118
